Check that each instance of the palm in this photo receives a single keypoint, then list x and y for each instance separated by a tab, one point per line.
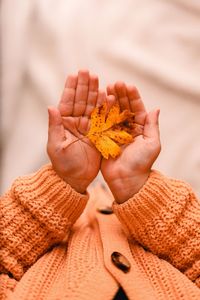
79	98
83	155
133	155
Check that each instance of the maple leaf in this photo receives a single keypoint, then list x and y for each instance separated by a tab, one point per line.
108	131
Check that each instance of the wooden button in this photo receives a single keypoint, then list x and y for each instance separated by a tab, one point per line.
107	210
120	261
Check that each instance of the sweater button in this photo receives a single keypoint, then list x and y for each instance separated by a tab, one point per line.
107	210
120	261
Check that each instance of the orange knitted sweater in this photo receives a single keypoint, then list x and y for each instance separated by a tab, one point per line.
53	246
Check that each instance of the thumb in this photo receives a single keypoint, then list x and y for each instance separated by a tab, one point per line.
56	131
151	126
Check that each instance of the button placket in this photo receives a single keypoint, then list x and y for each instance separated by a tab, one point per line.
117	256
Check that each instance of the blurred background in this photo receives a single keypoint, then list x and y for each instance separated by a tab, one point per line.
153	44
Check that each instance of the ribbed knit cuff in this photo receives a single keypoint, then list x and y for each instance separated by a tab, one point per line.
159	196
49	199
163	217
38	212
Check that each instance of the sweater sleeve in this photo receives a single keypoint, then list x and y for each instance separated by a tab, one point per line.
35	214
164	217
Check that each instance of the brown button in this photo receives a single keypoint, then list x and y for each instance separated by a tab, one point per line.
120	261
107	210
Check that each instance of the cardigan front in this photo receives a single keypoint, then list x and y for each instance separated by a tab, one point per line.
58	244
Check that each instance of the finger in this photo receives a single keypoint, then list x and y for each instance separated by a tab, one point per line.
101	98
92	94
56	131
67	100
111	91
151	126
84	125
110	102
136	104
123	100
81	93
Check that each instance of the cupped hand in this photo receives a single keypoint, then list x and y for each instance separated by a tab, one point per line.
72	155
128	173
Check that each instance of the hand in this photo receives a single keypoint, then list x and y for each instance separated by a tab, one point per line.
73	157
128	173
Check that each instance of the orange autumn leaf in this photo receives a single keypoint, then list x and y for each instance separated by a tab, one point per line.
110	130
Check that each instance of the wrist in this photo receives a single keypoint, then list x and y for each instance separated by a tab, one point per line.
124	188
76	182
79	186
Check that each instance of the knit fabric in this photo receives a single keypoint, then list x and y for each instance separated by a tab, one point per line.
55	243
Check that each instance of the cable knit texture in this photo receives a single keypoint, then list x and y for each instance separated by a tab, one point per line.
53	246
